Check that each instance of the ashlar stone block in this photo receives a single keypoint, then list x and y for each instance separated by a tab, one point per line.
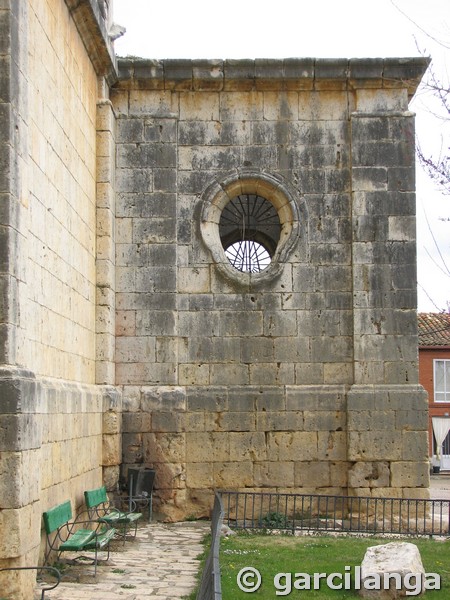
20	432
410	474
223	373
415	445
215	445
199	475
112	422
370	445
270	474
279	421
16	534
315	474
272	374
22	489
230	421
231	475
369	474
247	446
332	445
199	107
292	445
194	281
164	447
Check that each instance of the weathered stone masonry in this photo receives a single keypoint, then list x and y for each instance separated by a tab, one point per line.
306	381
126	337
55	65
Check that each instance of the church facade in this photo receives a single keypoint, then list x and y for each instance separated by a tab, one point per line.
208	268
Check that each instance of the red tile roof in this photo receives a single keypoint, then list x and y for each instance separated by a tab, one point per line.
434	329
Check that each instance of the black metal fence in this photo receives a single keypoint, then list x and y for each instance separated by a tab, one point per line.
210	588
322	513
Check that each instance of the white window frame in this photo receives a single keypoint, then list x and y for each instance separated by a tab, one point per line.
442	395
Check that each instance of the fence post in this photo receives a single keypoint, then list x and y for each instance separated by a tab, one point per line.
210	586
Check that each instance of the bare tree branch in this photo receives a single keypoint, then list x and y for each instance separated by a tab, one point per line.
440	42
444	267
438	308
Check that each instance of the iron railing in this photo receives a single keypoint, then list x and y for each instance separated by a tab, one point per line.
210	588
311	512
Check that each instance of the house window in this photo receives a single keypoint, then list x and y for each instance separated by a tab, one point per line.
442	380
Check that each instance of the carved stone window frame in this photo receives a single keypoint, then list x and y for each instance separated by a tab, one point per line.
273	188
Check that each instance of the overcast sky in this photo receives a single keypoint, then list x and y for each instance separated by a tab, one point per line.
316	28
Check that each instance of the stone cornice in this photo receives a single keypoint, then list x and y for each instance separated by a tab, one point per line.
92	27
271	74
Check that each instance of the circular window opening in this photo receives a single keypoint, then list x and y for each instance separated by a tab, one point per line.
249	230
250	223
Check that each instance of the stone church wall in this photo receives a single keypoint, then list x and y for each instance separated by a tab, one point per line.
60	216
305	380
51	410
114	281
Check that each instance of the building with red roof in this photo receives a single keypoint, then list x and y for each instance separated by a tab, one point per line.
434	375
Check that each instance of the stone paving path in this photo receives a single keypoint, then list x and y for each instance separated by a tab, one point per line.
160	563
440	487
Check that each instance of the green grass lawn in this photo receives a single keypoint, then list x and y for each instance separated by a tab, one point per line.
272	554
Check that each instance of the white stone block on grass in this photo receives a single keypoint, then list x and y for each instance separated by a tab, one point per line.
390	570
